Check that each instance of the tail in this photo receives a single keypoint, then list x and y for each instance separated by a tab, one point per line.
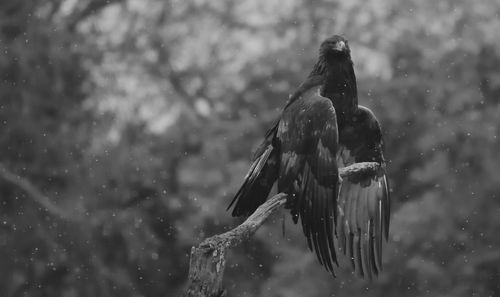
259	179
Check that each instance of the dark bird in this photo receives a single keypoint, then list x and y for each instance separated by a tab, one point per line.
321	129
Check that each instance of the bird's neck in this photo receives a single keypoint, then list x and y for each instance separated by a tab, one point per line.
339	84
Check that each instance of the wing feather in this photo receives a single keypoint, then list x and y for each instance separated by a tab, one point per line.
308	138
260	177
364	202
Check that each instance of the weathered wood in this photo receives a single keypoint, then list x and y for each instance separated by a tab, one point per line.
361	169
208	260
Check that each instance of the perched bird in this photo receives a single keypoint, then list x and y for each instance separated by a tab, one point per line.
321	129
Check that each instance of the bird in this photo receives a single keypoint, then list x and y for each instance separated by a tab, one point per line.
321	129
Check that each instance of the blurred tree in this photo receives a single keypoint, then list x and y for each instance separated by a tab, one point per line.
130	124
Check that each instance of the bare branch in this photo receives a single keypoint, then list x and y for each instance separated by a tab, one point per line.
362	168
90	218
37	196
92	7
208	260
93	218
248	228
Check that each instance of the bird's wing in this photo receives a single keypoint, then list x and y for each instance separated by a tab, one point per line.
364	202
260	177
308	173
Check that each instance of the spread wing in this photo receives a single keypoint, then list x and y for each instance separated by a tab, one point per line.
308	173
260	177
364	202
263	172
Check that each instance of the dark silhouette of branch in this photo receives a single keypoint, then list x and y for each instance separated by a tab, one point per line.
208	260
93	218
91	8
35	194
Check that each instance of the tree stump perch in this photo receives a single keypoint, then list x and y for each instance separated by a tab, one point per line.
208	260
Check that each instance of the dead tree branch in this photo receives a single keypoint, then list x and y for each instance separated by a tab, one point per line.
208	260
94	218
36	195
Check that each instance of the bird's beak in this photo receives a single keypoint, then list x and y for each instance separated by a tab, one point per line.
339	46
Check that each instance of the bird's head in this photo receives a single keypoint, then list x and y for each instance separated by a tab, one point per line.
335	47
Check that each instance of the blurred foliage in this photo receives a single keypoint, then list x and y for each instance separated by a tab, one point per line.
134	121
